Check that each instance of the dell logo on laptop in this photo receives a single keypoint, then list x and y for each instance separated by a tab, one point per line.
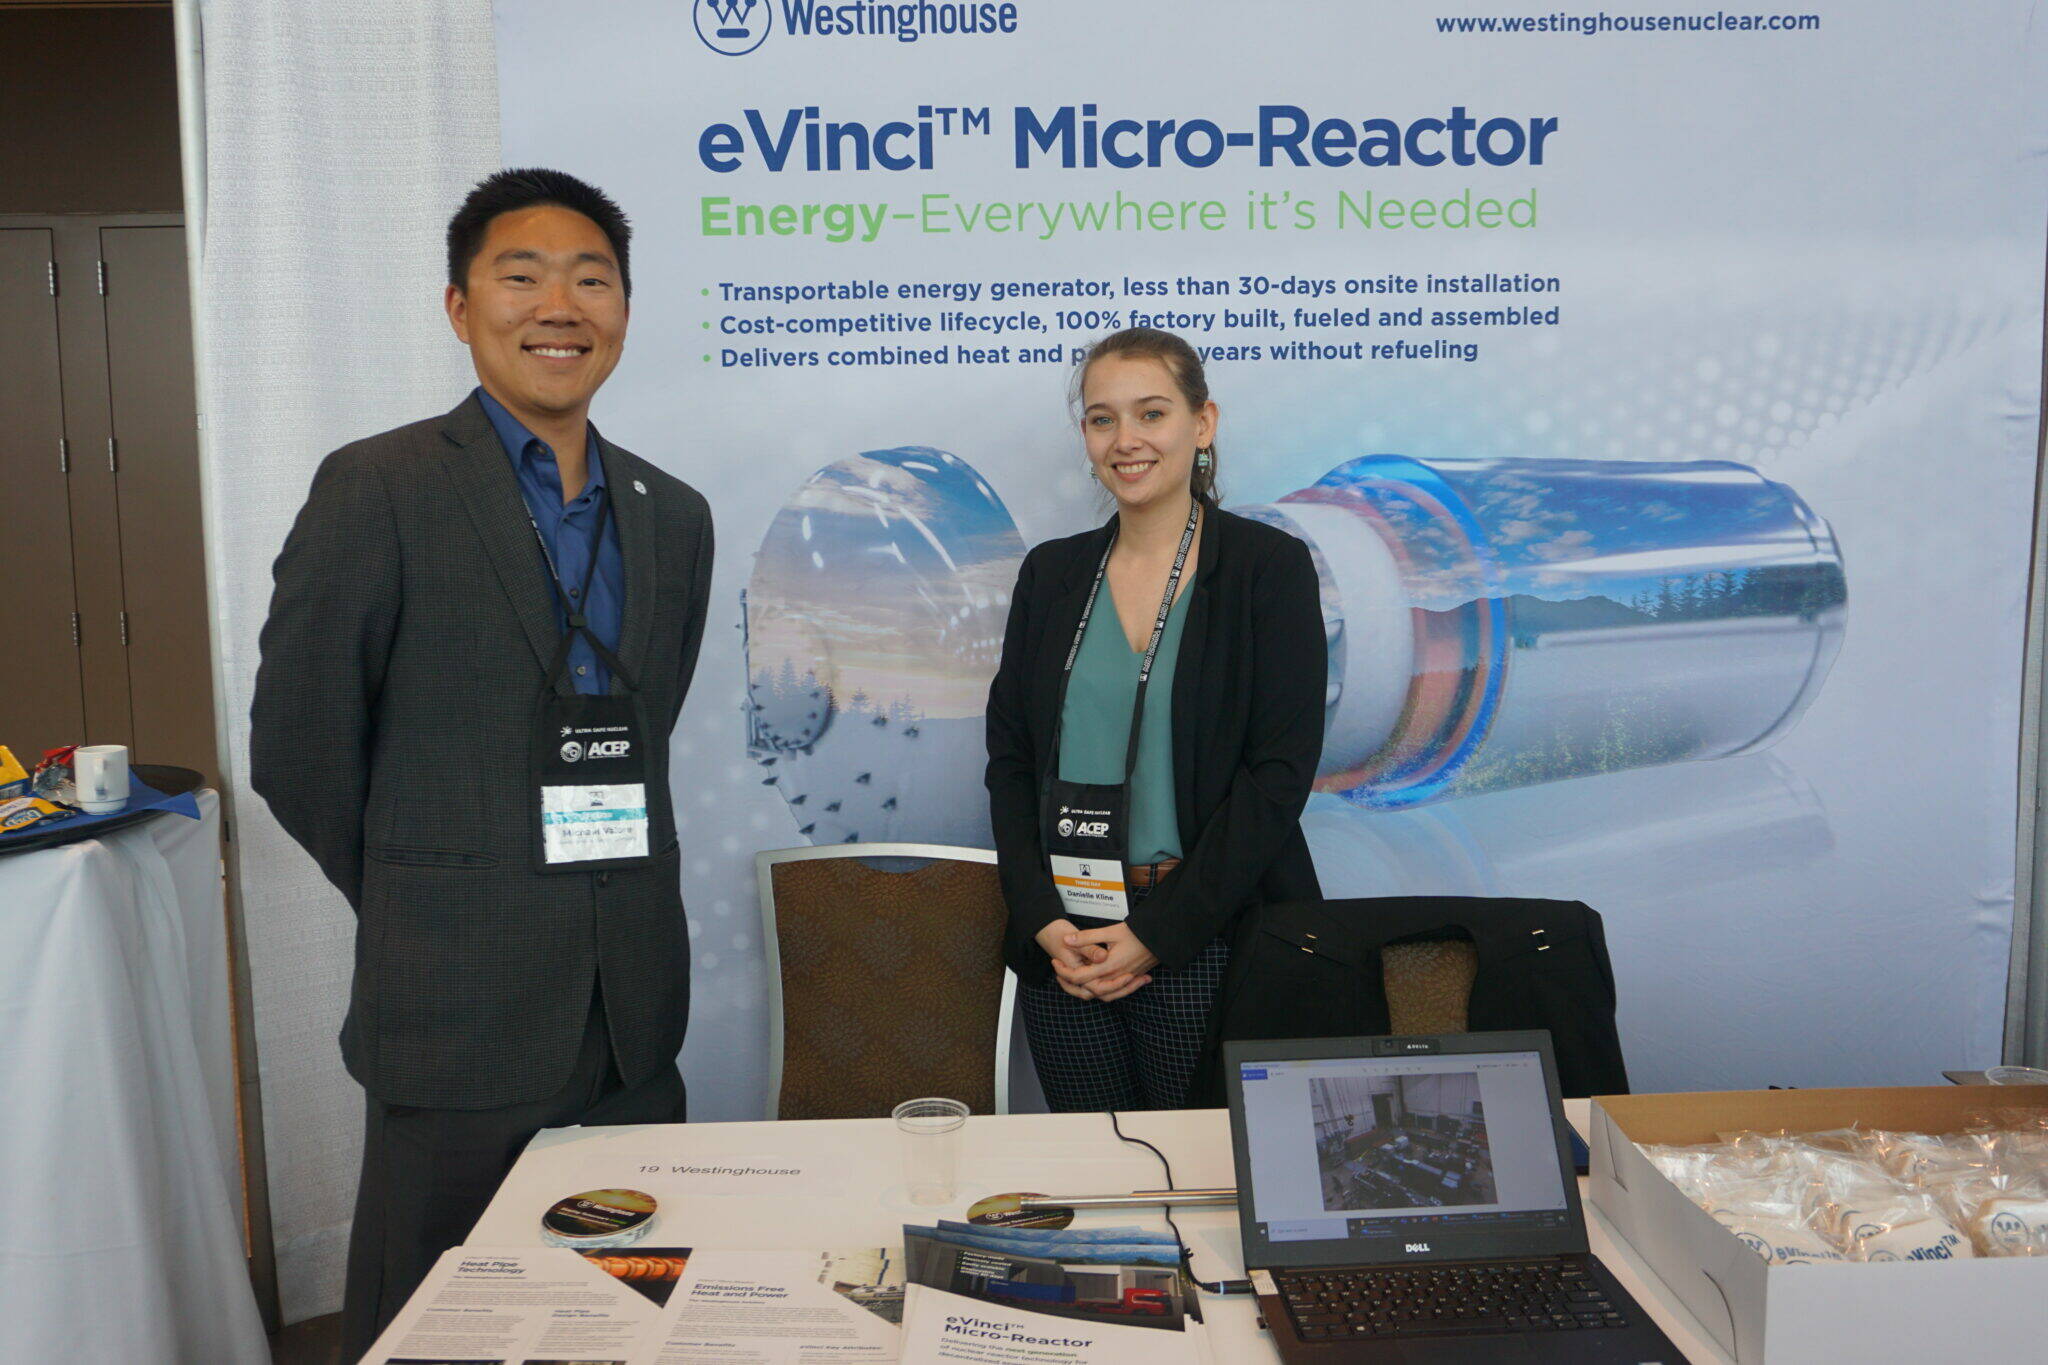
1414	1247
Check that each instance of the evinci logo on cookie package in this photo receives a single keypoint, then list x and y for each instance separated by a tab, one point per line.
733	28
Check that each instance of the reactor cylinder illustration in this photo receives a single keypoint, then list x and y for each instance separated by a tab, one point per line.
1492	624
1496	623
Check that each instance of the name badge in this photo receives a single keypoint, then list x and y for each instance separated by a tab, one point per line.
591	783
588	824
1091	886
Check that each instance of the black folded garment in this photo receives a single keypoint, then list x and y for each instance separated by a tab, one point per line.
1311	969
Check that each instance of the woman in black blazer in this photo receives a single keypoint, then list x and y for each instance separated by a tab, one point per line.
1117	1007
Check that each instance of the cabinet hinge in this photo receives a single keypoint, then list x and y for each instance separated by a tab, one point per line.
53	279
103	278
63	455
124	630
74	630
113	465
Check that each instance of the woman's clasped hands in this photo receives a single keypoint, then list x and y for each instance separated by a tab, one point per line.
1097	964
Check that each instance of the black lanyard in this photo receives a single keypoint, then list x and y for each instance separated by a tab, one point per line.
1180	559
573	609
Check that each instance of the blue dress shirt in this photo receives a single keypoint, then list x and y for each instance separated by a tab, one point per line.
568	531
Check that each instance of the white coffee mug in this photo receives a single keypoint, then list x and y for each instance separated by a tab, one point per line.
100	772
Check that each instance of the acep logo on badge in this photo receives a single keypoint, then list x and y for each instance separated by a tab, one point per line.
575	750
1066	828
733	28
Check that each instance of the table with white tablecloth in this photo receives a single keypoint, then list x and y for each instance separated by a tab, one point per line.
119	1174
845	1190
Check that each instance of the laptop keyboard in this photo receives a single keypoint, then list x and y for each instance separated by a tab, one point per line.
1541	1296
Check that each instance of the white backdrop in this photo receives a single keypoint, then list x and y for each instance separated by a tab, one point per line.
1813	254
339	139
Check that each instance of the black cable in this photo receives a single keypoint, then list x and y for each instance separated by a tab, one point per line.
1187	1255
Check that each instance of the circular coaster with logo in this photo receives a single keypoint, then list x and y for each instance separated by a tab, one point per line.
1002	1211
598	1219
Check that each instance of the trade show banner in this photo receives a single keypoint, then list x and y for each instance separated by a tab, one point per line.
1656	388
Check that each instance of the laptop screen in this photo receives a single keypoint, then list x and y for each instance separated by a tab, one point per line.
1367	1159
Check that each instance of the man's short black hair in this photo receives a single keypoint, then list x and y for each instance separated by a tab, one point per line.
511	190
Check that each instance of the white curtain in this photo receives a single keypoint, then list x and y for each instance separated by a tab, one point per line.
339	137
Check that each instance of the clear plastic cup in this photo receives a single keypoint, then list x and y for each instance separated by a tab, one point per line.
2016	1075
929	1130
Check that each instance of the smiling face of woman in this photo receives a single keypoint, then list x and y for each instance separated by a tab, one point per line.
1141	431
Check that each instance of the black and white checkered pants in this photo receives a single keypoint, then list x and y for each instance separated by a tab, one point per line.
1135	1053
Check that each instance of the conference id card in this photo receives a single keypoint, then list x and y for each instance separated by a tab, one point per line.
590	784
593	824
1091	886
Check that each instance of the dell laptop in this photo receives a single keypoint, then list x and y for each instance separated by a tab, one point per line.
1413	1199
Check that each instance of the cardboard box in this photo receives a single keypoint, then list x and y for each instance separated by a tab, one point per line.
1851	1314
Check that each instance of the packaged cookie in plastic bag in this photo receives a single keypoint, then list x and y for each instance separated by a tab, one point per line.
1762	1189
1900	1226
2017	1140
2011	1225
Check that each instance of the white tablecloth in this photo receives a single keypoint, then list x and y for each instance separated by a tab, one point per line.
120	1191
843	1199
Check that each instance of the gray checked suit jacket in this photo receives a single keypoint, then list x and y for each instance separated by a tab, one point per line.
409	633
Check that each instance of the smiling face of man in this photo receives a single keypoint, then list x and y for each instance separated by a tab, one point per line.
543	313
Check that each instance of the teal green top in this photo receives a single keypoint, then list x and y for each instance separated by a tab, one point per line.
1095	724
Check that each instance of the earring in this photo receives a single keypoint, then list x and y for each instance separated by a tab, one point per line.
1202	457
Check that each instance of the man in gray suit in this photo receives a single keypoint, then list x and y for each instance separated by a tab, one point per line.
483	628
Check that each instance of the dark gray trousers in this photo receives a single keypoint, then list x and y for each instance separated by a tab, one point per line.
1135	1053
429	1173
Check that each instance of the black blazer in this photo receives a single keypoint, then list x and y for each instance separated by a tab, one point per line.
408	637
1313	971
1248	698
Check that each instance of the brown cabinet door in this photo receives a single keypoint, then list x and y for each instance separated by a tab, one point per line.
155	429
95	515
41	699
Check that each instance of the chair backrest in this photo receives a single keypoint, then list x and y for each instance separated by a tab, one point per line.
884	984
1429	984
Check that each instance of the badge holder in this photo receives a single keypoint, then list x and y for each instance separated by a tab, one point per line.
588	756
1085	826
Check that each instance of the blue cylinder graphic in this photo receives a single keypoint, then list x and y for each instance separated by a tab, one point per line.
1495	623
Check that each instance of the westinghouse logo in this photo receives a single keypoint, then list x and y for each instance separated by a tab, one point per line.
734	28
574	751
